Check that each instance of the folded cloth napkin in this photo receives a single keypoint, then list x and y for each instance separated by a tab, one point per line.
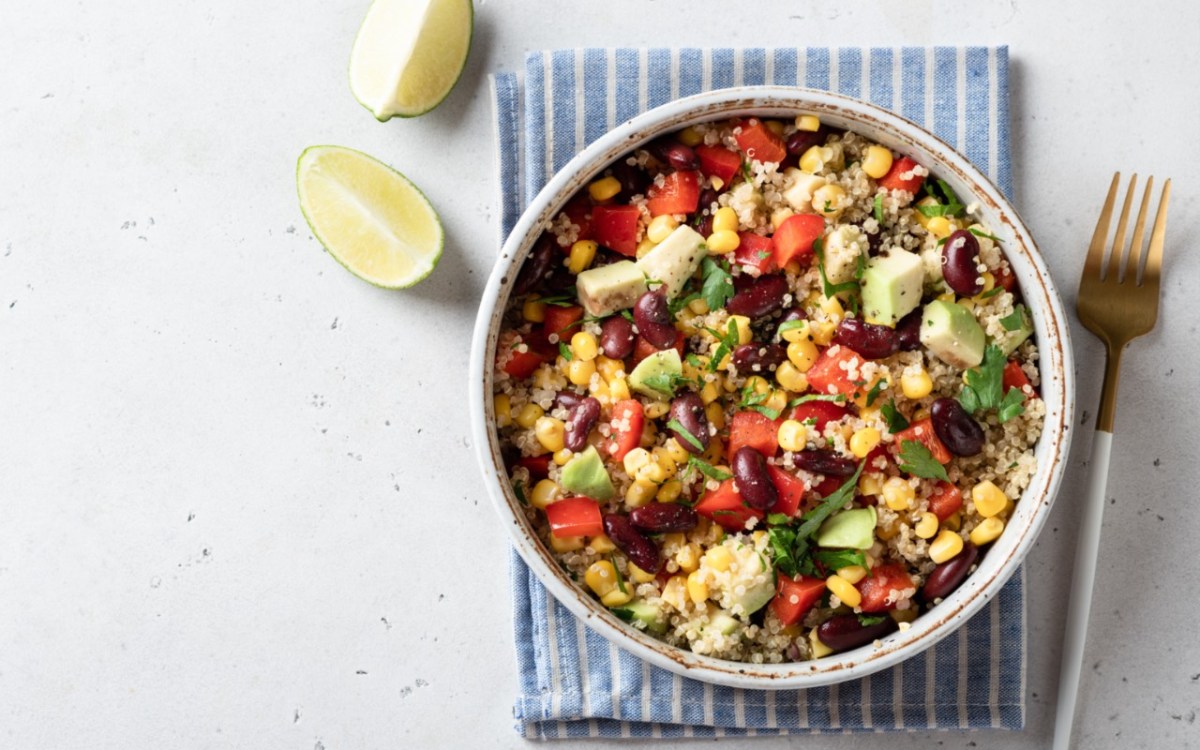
573	683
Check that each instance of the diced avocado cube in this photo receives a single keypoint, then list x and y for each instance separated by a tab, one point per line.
850	529
951	332
753	590
723	622
656	375
674	260
891	287
609	289
1021	330
651	616
585	475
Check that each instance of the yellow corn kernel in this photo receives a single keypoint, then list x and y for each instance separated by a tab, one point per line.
791	378
580	371
715	453
562	544
616	597
870	484
916	385
725	220
822	333
637	575
818	649
920	414
852	574
618	389
844	590
688	557
562	457
946	545
663	457
543	493
584	346
654	472
641	492
864	441
605	188
904	615
676	451
710	392
645	246
829	199
601	391
813	160
877	161
534	311
921	218
697	588
898	494
656	409
528	416
601	544
886	531
988	498
954	522
743	328
780	215
802	354
635	459
698	306
675	592
801	332
716	415
669	492
833	307
550	432
939	226
792	435
987	531
724	241
927	527
581	256
718	558
660	228
778	400
690	136
502	406
810	123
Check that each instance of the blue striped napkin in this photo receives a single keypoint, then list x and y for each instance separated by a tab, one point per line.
573	683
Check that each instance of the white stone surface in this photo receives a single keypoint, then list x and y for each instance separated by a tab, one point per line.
238	507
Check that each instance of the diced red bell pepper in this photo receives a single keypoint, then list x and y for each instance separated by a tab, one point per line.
759	143
575	516
795	237
579	211
755	430
821	412
628	420
522	364
643	348
829	374
724	506
719	162
1004	278
1015	377
679	194
893	180
755	251
877	588
794	597
537	466
945	500
563	321
922	432
790	489
616	227
828	486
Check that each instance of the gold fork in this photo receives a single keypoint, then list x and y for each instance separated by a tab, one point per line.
1118	301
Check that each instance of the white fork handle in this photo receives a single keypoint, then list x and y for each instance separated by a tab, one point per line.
1081	588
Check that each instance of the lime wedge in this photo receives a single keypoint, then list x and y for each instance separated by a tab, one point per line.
368	216
409	54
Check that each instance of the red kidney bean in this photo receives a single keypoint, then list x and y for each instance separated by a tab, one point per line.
908	331
960	256
537	266
867	339
632	179
567	399
663	518
688	411
580	422
760	297
675	154
653	319
616	337
956	428
708	197
844	632
824	461
641	551
803	140
758	358
949	575
752	480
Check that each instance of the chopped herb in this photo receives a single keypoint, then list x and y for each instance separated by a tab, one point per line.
851	288
762	254
519	491
836	398
685	434
916	459
747	175
895	420
726	343
753	400
835	559
666	382
1014	320
791	325
828	207
566	299
778	519
1011	406
978	233
789	544
677	304
876	389
991	292
620	578
708	469
816	517
649	281
868	620
627	315
879	208
984	388
934	210
692	359
717	287
565	351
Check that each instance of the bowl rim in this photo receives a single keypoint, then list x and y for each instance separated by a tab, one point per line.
1051	329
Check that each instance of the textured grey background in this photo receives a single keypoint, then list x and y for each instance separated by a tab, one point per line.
238	503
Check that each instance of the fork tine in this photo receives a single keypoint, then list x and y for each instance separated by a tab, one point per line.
1133	261
1095	256
1153	266
1118	245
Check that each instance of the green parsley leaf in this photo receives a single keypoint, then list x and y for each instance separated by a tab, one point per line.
813	519
683	432
791	325
782	540
620	578
868	620
708	469
934	210
519	491
717	287
747	175
984	386
627	315
778	519
726	343
754	401
565	351
916	459
876	389
978	233
991	292
566	299
835	559
1015	319
895	420
879	208
692	359
836	398
1011	406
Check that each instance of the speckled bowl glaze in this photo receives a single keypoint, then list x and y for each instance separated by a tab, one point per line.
1057	387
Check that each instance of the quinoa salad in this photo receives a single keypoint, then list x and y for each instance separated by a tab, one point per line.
768	389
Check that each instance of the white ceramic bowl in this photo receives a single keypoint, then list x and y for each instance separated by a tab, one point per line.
1057	386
